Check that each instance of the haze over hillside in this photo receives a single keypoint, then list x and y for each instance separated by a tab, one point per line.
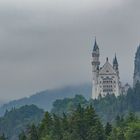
45	99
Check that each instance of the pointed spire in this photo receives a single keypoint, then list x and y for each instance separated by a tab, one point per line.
115	61
95	40
95	45
107	59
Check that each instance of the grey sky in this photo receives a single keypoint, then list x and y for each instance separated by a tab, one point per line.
48	43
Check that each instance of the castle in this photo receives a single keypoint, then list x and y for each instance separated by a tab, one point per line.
106	79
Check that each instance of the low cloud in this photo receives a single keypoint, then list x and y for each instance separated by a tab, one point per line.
47	44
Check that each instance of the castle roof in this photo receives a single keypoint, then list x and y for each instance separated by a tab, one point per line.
107	69
115	61
95	48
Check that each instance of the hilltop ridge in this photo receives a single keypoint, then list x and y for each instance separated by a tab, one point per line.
44	99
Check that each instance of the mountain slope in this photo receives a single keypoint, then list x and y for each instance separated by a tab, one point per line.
107	107
45	99
16	120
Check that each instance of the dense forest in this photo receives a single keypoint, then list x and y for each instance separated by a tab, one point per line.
83	124
106	118
76	118
16	120
107	107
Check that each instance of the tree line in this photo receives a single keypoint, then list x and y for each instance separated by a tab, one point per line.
107	107
83	124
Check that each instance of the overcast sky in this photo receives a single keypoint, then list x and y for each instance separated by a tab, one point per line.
48	43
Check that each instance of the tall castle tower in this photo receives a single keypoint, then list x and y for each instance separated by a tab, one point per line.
95	68
106	79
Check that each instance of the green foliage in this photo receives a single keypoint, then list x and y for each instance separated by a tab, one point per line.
127	125
45	99
33	134
107	107
68	105
108	129
75	118
127	128
133	131
2	137
16	120
22	136
82	124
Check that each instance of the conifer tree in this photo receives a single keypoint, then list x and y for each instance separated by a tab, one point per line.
108	129
33	135
96	132
78	121
56	129
65	124
22	136
46	125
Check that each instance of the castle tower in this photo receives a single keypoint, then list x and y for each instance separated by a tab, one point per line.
116	65
95	68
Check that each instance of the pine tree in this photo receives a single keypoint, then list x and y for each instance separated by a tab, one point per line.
33	135
78	123
96	132
22	136
46	125
56	129
65	124
131	117
90	116
108	129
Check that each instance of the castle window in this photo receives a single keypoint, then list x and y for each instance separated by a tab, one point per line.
109	90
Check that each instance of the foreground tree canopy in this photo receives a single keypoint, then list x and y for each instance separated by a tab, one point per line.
83	124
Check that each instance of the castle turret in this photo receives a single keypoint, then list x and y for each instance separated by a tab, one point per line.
95	67
116	65
95	60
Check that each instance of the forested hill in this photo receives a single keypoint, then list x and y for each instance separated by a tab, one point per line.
83	124
45	99
106	107
16	120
